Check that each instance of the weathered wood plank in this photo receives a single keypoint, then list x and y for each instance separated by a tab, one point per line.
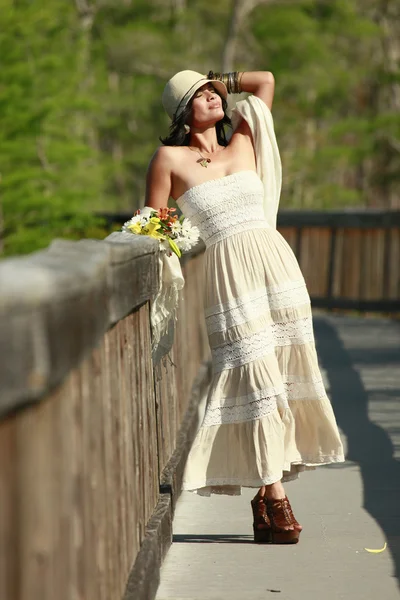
133	272
351	267
394	262
36	503
9	525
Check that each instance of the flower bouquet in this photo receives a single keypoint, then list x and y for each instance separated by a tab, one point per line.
174	234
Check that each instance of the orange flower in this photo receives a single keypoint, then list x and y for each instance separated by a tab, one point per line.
165	212
172	220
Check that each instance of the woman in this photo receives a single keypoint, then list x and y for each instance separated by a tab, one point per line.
267	416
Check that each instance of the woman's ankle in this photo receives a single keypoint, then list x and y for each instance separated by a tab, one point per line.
275	491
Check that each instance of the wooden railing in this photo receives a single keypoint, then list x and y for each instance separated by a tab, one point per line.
350	259
93	435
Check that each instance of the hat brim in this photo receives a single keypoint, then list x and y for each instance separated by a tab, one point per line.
219	86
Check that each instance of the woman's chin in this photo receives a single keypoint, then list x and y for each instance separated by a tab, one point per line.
213	119
217	115
219	112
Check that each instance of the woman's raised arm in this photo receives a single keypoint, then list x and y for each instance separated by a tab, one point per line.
260	84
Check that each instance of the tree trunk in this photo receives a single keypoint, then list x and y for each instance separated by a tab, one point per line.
240	10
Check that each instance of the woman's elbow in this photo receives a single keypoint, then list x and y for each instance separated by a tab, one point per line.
269	78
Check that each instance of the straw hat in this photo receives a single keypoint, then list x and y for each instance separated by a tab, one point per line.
181	87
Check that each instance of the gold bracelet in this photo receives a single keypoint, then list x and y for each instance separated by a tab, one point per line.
231	80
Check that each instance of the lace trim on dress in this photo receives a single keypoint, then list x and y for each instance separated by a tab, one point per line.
249	348
260	403
288	294
243	350
257	409
314	390
216	225
223	185
261	394
226	210
248	307
296	332
233	229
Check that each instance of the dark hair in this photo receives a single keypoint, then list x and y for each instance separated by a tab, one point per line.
177	134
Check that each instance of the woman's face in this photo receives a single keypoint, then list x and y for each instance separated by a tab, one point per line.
206	107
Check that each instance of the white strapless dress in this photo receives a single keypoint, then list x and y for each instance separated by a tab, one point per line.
267	415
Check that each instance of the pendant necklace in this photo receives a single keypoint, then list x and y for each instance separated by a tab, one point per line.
203	160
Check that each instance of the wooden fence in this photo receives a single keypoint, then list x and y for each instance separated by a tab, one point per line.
88	425
350	259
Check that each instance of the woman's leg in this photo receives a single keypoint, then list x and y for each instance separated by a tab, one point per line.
275	491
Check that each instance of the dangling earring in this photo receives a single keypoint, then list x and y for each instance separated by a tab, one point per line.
187	128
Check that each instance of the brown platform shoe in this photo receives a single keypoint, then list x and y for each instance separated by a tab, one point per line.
284	527
261	523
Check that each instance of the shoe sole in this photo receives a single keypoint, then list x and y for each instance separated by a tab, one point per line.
264	536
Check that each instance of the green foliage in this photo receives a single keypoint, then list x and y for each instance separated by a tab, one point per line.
49	166
81	113
330	73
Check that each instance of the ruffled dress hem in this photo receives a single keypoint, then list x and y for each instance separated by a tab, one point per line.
232	487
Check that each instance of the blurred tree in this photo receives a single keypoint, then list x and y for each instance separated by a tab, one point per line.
332	111
51	168
81	114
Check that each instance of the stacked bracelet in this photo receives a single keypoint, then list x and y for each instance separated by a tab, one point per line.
231	80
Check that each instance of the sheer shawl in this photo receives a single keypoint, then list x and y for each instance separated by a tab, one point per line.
268	160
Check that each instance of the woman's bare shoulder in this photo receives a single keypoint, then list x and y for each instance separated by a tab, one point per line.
166	158
161	175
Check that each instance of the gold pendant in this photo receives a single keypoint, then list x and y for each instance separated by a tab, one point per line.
203	161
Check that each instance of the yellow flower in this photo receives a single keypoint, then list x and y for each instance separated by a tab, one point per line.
152	228
174	247
135	227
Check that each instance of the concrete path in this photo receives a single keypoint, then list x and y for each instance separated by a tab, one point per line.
343	508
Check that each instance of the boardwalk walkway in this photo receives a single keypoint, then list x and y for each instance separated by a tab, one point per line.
343	508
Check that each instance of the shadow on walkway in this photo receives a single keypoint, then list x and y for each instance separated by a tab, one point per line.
368	444
210	538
